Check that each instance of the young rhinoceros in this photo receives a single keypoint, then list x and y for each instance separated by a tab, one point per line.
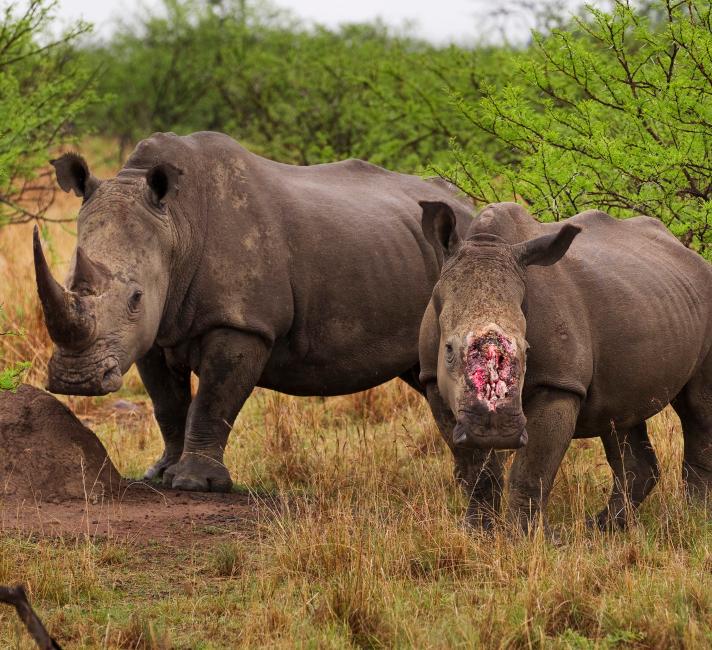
202	256
539	333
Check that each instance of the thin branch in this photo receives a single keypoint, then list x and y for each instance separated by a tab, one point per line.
26	215
17	598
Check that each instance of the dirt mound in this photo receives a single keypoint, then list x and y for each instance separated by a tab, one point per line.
56	479
47	454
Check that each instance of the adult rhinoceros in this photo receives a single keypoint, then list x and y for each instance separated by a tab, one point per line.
520	350
202	256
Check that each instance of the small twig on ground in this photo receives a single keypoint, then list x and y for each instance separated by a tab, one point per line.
17	597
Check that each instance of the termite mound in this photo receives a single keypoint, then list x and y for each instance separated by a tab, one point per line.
46	453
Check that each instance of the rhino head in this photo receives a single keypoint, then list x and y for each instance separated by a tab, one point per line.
107	313
478	301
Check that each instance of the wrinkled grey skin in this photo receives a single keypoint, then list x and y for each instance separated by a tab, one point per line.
611	324
202	256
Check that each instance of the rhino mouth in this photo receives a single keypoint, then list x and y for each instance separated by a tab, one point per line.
491	369
99	378
482	429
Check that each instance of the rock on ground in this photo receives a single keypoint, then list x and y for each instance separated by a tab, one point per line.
47	454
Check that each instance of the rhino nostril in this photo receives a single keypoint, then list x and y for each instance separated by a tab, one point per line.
459	435
110	373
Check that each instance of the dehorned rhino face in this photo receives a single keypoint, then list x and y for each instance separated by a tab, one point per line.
108	313
482	347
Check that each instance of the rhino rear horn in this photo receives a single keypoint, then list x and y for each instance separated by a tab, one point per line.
69	320
89	275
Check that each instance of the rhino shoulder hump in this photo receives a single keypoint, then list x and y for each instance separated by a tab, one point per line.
652	225
362	166
595	216
641	226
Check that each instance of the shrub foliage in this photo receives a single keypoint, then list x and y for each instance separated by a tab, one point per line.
613	113
609	109
43	91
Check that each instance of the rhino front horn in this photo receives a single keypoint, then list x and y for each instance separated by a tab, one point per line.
69	321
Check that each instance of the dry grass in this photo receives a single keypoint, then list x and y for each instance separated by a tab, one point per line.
369	550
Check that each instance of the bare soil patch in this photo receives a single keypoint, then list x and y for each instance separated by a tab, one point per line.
57	479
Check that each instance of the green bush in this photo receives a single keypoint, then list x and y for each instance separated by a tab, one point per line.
610	110
614	113
43	91
290	92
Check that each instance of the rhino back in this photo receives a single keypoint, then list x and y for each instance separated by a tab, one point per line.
361	272
625	318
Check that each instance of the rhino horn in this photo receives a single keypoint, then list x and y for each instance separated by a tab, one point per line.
69	320
89	273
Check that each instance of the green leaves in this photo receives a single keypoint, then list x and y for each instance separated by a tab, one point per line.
612	113
294	93
11	377
43	91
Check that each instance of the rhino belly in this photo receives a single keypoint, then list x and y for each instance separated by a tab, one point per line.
343	370
625	397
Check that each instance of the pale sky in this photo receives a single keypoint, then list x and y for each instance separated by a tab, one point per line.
462	21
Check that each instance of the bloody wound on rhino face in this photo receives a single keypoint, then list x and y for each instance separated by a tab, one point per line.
491	367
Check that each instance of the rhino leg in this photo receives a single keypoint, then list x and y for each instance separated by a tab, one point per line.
410	377
480	474
231	363
477	471
694	406
169	391
635	473
551	421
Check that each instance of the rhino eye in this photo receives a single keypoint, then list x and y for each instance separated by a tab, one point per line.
135	300
449	353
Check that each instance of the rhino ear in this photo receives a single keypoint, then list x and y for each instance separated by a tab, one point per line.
546	250
162	180
440	227
73	175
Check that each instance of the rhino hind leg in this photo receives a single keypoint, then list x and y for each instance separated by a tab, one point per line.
694	406
635	472
410	377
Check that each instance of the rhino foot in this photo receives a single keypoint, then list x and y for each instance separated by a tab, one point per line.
198	473
480	520
156	470
607	521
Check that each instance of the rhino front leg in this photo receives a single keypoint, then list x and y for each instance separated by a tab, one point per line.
551	421
480	474
231	363
635	472
169	391
477	471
